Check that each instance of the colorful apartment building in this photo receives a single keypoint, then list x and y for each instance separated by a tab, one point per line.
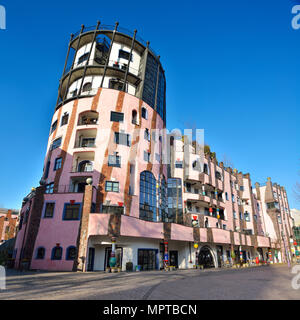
109	195
8	223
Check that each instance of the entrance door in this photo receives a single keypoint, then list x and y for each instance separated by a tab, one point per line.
220	256
119	256
206	258
147	259
91	259
174	258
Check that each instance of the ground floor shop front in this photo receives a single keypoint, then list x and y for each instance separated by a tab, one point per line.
152	254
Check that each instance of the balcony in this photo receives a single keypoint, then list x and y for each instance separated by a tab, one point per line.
88	118
83	162
85	138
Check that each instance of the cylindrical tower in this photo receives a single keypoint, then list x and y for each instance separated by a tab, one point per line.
108	125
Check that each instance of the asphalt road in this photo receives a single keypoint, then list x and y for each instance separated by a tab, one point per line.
255	283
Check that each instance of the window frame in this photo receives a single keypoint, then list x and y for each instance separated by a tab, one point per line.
113	183
56	162
117	114
65	209
45	209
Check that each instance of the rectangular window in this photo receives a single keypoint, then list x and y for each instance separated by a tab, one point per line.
114	161
88	142
146	156
241	188
234	214
49	210
179	164
56	143
64	119
72	212
122	138
233	200
144	113
112	186
49	188
53	127
147	134
124	55
116	116
83	58
57	164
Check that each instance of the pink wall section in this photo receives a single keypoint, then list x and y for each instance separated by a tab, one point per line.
56	230
179	232
138	228
221	236
263	241
98	224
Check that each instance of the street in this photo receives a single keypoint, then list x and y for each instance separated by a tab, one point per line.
263	282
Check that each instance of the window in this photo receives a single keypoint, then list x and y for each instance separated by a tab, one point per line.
224	226
49	188
247	216
234	215
83	58
56	143
47	170
241	216
49	210
40	253
114	161
87	87
64	119
53	127
179	164
112	186
148	196
117	84
146	156
124	55
57	164
242	188
157	157
71	211
85	166
233	199
71	253
144	113
218	175
205	168
226	196
116	116
56	253
122	138
88	142
188	187
206	225
255	217
134	117
147	134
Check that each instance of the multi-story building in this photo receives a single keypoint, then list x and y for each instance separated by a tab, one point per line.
107	190
8	222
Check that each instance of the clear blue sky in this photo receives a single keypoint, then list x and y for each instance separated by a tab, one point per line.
232	68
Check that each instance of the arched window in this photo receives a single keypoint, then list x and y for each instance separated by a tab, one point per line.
40	253
87	87
147	196
56	253
144	113
206	223
71	253
134	117
85	166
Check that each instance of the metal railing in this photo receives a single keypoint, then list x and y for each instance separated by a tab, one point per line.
125	31
97	63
